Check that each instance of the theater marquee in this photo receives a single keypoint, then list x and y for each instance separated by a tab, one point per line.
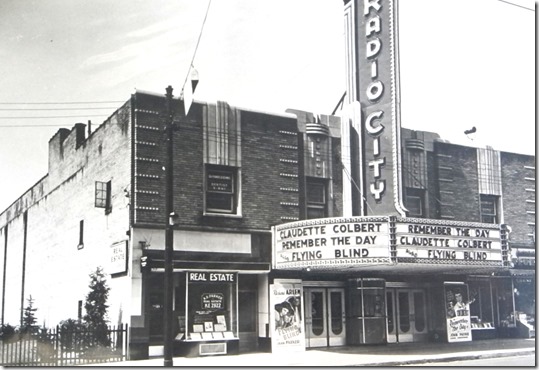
336	241
359	241
444	242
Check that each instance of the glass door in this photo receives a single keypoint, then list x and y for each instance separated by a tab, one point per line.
315	318
325	323
404	316
337	321
391	317
407	315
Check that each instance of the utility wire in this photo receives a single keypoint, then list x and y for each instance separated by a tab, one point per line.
31	126
196	47
36	117
27	109
67	102
520	6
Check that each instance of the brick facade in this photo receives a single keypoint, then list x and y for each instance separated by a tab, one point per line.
518	187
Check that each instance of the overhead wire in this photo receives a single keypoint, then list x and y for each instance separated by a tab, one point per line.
43	117
196	46
517	5
65	102
54	109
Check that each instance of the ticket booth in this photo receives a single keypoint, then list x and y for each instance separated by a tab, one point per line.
366	313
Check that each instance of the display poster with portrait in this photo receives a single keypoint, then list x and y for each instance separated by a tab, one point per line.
457	308
286	316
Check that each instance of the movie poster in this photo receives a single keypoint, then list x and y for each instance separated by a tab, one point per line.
286	316
459	327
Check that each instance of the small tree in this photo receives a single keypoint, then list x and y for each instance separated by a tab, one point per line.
29	317
96	306
7	332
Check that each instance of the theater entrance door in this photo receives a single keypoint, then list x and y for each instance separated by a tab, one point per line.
406	315
325	320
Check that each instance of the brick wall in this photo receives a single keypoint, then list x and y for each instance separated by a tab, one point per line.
518	189
457	182
269	169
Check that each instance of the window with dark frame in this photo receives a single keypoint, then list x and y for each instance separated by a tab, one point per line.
79	311
81	235
103	195
414	202
489	209
316	198
221	190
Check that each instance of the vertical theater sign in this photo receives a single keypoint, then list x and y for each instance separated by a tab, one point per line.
372	61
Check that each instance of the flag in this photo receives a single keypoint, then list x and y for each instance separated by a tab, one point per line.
189	89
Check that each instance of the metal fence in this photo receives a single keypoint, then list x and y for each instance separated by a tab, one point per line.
65	347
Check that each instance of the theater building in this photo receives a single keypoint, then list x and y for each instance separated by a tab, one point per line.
434	241
290	231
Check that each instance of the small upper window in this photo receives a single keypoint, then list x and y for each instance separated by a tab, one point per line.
489	209
414	202
316	199
81	235
221	190
103	195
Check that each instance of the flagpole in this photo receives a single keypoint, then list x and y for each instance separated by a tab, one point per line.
169	233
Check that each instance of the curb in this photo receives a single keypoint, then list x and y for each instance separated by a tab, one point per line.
451	358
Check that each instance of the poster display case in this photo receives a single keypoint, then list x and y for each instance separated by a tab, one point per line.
457	306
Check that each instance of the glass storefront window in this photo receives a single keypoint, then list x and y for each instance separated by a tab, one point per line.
505	307
481	309
211	306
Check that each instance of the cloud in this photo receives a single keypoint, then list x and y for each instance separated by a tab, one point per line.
136	50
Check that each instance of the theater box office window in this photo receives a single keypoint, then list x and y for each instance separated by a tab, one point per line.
208	322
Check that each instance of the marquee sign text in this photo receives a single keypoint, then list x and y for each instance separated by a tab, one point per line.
331	241
435	242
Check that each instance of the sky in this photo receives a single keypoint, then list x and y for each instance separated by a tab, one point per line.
463	63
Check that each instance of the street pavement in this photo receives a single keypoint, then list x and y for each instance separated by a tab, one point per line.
393	354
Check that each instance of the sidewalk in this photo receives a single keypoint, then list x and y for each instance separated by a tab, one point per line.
377	355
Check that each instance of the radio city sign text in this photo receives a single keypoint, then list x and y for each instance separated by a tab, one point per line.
374	91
